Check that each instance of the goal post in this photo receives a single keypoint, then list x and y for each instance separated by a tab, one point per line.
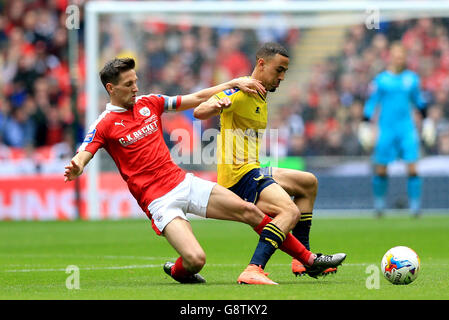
297	14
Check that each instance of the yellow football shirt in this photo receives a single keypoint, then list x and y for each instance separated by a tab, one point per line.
242	126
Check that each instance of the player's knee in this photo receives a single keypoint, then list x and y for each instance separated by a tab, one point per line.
195	261
293	214
311	184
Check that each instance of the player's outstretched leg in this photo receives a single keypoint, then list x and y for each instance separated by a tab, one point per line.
226	205
303	188
185	270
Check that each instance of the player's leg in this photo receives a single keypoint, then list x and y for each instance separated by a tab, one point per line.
380	187
384	153
179	234
168	217
250	186
303	187
278	204
276	201
410	153
225	205
414	190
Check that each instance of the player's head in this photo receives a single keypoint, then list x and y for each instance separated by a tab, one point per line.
271	64
398	56
120	80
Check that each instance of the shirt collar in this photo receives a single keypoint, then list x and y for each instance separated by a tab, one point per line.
114	108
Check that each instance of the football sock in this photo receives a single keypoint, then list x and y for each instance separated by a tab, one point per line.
291	245
270	239
178	271
380	185
302	229
414	186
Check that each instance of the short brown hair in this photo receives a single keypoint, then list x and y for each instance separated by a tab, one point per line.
270	49
112	69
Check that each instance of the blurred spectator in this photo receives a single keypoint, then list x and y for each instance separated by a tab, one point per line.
443	143
18	129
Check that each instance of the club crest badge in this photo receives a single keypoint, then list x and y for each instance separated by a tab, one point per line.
145	111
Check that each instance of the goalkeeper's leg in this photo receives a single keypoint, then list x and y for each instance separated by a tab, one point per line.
380	187
414	186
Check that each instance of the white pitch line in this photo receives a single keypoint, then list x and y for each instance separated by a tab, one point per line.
86	256
144	266
91	268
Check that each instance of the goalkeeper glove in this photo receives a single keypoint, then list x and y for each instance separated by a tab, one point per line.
428	132
366	135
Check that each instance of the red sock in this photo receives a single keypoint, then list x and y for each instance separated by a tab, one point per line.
178	271
266	219
296	249
291	245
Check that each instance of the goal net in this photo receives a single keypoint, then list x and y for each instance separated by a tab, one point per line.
335	49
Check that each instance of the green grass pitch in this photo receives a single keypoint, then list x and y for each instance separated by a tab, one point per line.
123	260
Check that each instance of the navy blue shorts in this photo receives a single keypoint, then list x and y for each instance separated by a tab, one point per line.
251	185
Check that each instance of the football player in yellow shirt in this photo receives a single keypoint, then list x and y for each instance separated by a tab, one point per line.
243	119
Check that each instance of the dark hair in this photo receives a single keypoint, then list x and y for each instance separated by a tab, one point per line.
270	49
112	69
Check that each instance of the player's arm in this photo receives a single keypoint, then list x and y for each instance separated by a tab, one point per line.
418	98
212	107
373	100
247	85
76	165
365	130
428	129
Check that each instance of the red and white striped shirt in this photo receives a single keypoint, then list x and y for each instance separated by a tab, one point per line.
134	140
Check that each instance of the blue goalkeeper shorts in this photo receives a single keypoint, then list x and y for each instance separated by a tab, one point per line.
251	185
398	144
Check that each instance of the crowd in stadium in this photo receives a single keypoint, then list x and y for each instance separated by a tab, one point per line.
331	107
321	119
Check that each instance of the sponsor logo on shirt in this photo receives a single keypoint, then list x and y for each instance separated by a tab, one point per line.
146	130
90	136
230	92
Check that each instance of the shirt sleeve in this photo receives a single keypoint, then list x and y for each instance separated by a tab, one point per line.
94	140
417	95
373	100
162	103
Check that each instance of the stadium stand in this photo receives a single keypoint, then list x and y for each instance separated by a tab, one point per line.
317	118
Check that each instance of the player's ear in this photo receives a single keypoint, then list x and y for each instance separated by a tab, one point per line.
260	62
109	88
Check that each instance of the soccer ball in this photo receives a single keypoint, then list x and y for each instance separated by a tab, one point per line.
400	265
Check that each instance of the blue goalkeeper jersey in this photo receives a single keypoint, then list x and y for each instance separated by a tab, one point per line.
395	94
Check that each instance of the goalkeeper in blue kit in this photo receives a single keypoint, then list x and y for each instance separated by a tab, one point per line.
395	90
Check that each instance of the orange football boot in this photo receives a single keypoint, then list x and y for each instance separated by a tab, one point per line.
298	268
254	275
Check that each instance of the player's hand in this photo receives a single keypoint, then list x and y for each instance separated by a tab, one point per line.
428	132
72	171
366	135
250	85
221	104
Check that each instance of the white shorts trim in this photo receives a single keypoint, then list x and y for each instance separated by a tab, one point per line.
190	196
